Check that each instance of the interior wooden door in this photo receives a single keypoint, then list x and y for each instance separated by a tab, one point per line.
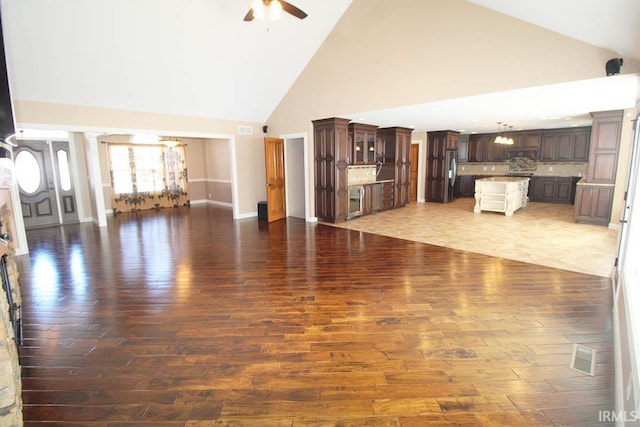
274	166
413	177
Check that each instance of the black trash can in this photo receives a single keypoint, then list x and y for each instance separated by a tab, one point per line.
262	210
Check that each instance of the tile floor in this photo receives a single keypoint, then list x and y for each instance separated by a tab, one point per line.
540	233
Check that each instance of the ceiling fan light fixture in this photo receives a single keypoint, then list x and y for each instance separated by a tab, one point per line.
258	9
275	10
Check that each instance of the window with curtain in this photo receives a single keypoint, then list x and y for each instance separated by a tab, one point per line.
147	177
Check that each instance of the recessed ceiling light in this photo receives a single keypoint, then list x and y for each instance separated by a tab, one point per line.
460	130
568	118
574	125
475	131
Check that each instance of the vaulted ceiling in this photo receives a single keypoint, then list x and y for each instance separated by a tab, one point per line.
198	58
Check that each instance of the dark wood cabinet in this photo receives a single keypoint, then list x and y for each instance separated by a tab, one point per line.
594	195
481	148
363	143
603	150
452	141
463	148
332	153
525	144
387	195
593	204
466	186
552	189
548	145
438	182
527	140
565	145
399	139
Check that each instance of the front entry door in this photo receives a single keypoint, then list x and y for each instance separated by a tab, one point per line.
274	166
39	177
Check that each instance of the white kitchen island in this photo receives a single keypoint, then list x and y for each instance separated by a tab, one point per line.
501	194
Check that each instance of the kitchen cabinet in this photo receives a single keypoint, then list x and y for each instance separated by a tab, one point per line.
463	148
387	195
527	140
593	204
604	145
552	189
440	169
481	148
551	145
565	145
332	155
525	144
363	143
465	185
399	139
594	194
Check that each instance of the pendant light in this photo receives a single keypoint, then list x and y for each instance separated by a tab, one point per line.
509	140
499	139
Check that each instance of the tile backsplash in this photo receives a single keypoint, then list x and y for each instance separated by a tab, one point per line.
364	174
541	169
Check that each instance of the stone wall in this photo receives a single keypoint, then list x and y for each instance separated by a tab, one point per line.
10	380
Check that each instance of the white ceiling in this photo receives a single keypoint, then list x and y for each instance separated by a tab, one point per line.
185	57
198	58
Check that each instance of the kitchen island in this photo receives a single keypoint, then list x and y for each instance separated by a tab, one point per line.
501	194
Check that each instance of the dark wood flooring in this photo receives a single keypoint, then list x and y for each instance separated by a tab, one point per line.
188	318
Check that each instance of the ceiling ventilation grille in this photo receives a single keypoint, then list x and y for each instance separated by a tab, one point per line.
245	130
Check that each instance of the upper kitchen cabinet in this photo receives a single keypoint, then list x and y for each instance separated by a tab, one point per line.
483	149
400	139
603	151
332	153
363	141
525	144
565	145
463	148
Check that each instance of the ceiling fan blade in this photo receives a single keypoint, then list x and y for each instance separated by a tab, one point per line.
249	15
289	8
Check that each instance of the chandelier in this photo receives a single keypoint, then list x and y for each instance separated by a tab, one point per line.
503	138
170	142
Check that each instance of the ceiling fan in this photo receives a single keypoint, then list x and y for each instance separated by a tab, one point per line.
275	7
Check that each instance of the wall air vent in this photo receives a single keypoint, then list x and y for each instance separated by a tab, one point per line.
245	130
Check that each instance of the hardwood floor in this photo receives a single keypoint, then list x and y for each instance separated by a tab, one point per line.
188	318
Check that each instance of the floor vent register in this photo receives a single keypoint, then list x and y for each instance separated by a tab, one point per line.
583	359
